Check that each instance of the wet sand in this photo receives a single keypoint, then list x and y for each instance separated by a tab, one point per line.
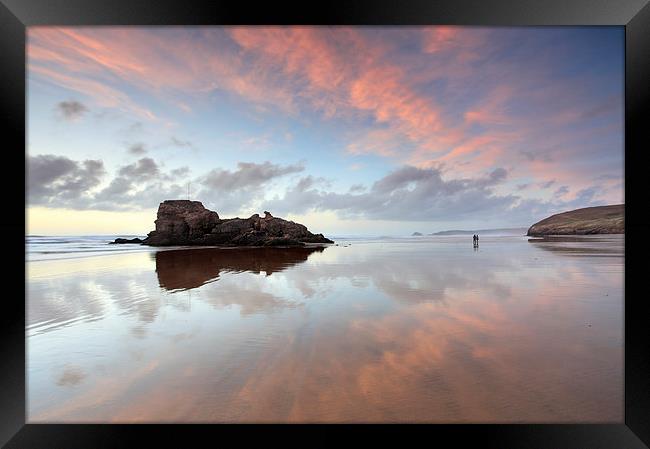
403	330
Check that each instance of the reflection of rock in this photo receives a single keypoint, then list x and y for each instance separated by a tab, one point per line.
191	268
589	220
600	246
184	222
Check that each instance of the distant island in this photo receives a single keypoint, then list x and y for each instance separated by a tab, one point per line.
416	234
518	231
185	222
585	221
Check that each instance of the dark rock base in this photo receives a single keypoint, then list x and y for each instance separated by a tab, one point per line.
183	222
122	241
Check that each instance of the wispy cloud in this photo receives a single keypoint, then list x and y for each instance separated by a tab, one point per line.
175	141
137	149
71	110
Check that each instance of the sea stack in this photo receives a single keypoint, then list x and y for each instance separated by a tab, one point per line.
586	221
184	222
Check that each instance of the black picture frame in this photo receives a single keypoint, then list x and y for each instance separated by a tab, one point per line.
634	15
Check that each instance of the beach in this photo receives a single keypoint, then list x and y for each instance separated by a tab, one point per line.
421	329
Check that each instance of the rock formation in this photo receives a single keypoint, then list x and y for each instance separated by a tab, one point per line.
589	220
122	240
184	222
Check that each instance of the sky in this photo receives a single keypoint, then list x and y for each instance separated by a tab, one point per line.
348	130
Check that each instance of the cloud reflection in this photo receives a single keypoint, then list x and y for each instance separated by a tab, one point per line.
376	332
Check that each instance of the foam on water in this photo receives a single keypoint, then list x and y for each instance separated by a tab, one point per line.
40	247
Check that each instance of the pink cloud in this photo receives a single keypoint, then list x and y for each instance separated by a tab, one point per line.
440	38
169	67
103	94
492	111
342	73
337	71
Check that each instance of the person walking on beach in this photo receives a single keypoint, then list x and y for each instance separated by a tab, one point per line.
476	239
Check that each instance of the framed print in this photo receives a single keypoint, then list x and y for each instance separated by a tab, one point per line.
241	217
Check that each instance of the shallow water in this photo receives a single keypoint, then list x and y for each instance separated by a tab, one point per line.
397	330
39	247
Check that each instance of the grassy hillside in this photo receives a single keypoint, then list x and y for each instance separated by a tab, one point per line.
590	220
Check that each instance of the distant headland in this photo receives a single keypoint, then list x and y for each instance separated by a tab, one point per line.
585	221
185	222
497	231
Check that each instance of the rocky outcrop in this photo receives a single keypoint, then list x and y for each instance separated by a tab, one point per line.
180	222
184	222
122	241
589	220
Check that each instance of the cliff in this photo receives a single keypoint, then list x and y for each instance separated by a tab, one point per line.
589	220
184	222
